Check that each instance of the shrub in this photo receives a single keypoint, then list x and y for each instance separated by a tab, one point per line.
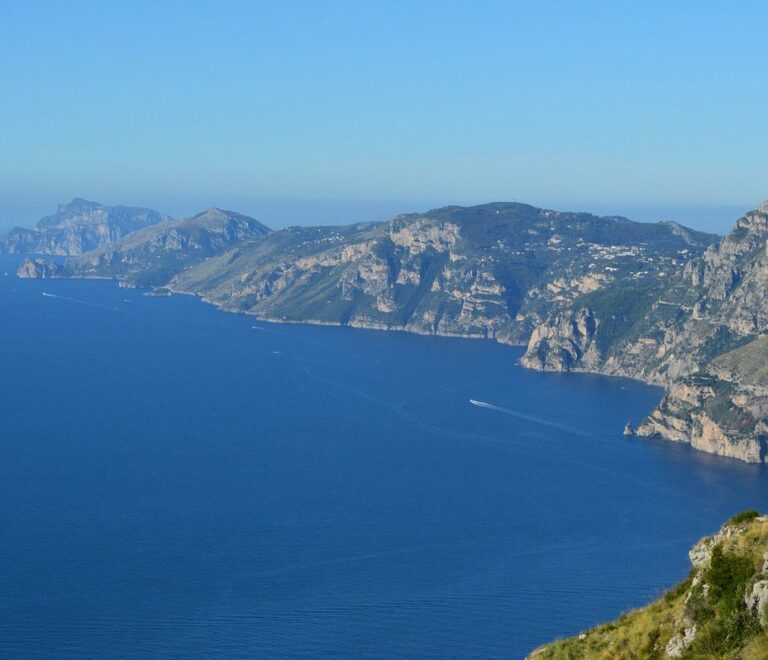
725	624
727	576
744	516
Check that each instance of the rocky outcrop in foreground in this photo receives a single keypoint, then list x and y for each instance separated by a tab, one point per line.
719	611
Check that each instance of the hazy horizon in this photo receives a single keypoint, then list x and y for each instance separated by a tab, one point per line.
279	213
342	111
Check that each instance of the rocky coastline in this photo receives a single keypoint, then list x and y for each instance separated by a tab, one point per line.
656	303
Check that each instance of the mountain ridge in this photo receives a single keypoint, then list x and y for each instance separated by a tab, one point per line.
79	226
582	292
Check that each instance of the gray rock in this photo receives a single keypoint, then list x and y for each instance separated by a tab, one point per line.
78	227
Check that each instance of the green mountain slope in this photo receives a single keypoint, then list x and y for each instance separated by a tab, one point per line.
484	271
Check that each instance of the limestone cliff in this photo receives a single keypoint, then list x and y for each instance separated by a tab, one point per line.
560	343
39	268
712	415
78	227
154	255
702	319
492	271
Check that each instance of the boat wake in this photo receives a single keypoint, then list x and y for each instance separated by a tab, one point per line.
531	418
78	301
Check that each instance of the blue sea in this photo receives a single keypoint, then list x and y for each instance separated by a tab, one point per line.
179	482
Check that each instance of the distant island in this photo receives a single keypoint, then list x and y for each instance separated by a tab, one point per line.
718	611
78	227
657	302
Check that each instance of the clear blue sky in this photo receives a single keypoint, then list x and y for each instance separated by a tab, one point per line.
307	111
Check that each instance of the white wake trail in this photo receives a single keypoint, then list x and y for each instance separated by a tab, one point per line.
531	418
79	302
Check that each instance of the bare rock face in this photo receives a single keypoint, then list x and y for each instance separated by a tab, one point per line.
560	343
152	255
708	317
679	643
78	227
39	268
757	599
421	236
712	416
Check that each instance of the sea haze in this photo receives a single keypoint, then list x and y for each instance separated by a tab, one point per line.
181	482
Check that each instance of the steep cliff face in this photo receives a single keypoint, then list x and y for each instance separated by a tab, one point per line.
712	415
674	324
719	611
78	227
405	276
494	270
560	343
698	320
39	269
489	271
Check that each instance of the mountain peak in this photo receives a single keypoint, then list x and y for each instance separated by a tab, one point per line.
215	213
77	204
216	216
754	222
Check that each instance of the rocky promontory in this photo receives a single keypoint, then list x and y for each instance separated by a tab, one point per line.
718	611
39	268
713	416
699	330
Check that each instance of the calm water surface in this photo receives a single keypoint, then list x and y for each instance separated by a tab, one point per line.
180	482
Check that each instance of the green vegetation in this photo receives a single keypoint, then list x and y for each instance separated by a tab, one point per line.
748	362
744	516
723	619
721	341
618	309
728	415
709	607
